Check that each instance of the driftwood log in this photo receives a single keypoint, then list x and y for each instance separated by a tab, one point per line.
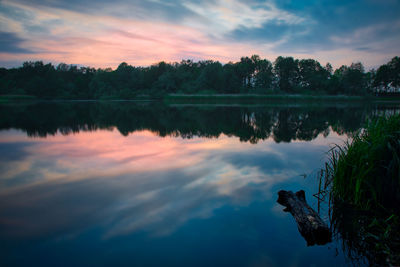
310	225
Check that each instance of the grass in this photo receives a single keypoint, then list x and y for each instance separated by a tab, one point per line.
366	170
364	177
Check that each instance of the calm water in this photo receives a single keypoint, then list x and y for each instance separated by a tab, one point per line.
93	184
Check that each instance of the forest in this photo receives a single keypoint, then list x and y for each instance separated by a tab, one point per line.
251	75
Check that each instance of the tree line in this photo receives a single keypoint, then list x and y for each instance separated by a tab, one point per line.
251	75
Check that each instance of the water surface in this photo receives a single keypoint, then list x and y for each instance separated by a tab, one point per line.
121	183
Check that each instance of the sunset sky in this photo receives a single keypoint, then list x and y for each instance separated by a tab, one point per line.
100	33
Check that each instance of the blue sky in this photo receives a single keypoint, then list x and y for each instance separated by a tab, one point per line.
104	33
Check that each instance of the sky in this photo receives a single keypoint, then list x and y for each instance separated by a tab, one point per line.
103	33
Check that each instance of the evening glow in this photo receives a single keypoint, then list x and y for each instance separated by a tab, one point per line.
104	34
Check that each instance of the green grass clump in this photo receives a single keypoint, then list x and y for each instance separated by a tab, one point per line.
363	179
366	170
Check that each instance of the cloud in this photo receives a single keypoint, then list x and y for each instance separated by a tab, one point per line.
340	24
132	9
103	33
11	43
225	16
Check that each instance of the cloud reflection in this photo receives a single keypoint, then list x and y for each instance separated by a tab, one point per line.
67	184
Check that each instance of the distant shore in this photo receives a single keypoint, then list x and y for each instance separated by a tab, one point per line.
217	98
273	97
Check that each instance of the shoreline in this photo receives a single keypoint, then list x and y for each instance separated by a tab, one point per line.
217	98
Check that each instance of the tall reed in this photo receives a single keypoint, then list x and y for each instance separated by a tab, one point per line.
365	171
362	179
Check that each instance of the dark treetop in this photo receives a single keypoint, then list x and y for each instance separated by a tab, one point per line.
249	75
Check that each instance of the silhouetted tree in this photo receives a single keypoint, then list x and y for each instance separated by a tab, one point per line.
249	75
387	78
263	74
352	79
313	77
287	74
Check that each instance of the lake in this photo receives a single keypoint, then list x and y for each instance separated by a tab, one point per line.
147	184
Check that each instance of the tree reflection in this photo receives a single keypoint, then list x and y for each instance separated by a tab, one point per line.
250	123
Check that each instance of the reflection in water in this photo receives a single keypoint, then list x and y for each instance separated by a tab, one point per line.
139	173
282	123
108	198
